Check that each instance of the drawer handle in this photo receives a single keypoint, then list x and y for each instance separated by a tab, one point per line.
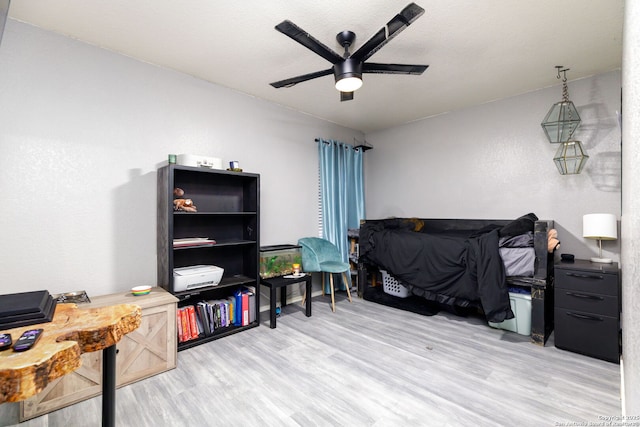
585	317
573	294
585	276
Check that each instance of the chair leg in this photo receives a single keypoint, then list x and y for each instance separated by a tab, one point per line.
333	300
346	284
322	273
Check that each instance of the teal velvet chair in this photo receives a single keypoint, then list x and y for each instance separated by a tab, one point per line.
320	255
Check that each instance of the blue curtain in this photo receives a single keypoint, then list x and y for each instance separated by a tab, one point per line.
342	191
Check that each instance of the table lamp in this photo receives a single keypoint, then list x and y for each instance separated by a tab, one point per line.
600	226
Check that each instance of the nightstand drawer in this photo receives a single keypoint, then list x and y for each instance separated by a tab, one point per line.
587	281
588	334
606	305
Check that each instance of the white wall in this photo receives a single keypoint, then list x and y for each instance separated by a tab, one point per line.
82	133
630	209
494	161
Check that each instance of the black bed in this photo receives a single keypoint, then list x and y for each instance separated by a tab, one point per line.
464	263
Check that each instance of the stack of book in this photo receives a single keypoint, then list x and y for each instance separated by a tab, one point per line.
26	308
205	318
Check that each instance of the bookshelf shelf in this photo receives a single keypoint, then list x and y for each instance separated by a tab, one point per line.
217	335
228	209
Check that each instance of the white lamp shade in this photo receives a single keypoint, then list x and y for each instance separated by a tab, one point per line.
600	226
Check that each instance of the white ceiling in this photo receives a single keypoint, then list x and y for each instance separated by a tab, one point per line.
477	51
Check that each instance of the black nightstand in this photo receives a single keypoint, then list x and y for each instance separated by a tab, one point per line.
587	309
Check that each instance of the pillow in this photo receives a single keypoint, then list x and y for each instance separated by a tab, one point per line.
519	226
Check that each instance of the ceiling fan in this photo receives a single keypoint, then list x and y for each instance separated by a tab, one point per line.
348	68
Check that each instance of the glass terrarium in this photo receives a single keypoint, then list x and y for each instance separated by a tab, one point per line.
278	260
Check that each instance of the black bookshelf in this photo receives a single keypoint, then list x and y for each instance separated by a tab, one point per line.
228	211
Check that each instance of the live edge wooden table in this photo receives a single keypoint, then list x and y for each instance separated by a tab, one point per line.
72	331
281	282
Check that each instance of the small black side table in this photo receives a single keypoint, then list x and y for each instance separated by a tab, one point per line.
281	282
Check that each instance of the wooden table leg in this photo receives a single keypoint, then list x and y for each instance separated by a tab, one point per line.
109	386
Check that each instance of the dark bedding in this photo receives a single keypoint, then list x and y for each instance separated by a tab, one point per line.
457	267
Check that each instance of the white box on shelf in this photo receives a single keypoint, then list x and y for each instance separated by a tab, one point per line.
199	161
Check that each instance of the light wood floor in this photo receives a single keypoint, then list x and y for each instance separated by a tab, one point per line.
365	365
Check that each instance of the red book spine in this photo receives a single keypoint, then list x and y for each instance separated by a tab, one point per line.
192	321
186	330
179	326
245	309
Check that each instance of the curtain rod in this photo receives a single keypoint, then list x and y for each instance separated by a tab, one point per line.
363	145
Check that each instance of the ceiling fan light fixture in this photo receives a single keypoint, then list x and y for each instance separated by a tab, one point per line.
348	67
349	84
348	75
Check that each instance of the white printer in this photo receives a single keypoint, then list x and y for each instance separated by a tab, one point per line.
196	276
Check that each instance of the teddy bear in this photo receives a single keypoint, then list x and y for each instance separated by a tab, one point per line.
181	204
552	240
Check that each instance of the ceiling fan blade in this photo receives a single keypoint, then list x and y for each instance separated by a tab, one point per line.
370	67
346	96
299	79
392	29
290	29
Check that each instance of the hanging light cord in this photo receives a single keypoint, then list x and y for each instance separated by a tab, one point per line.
565	89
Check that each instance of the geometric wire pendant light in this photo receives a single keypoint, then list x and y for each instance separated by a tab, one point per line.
570	158
562	119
